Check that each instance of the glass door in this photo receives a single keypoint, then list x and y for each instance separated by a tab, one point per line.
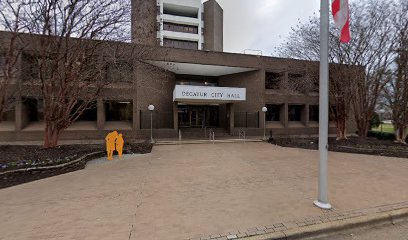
198	116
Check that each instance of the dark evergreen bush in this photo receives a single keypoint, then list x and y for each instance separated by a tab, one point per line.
381	135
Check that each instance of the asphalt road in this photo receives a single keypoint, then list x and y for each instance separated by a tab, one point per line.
387	232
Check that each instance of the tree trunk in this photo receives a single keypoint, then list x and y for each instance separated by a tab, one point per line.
400	134
362	128
341	129
51	135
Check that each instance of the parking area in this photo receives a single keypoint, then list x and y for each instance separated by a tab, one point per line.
182	191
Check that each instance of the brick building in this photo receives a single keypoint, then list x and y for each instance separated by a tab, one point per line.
192	83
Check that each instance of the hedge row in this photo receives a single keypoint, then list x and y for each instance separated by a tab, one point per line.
381	135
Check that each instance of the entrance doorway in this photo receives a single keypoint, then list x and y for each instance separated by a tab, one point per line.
195	116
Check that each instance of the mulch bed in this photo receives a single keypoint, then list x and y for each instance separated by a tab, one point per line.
20	164
371	146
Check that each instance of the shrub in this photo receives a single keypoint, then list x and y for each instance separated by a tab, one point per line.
375	121
381	135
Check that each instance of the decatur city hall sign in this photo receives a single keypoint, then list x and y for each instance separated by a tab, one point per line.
208	94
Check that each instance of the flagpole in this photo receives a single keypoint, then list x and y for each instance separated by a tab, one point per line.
322	201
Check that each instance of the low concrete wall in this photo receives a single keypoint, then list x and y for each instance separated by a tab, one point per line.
10	136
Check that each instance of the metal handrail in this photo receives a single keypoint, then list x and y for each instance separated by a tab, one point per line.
212	135
242	134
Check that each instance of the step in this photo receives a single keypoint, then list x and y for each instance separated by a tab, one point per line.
203	134
207	141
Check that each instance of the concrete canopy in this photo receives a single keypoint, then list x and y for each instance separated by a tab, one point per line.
198	69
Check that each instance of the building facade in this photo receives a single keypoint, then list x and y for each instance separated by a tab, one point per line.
192	83
187	24
181	24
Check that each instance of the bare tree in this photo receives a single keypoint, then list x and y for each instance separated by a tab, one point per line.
396	92
341	78
304	44
371	47
69	59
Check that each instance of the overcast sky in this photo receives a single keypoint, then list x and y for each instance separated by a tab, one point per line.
262	24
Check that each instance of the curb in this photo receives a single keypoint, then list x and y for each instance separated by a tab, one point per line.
329	228
83	158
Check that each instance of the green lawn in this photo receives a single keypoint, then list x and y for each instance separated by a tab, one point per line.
386	127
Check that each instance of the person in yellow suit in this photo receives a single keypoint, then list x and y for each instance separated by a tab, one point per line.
119	145
110	143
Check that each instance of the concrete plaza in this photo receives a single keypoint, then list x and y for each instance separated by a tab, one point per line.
188	191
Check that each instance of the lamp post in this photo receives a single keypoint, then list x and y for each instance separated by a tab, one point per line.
151	109
264	110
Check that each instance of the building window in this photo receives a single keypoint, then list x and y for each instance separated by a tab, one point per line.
7	116
181	11
196	80
119	110
314	113
180	44
34	109
209	84
30	67
298	82
295	113
88	114
272	80
180	28
273	113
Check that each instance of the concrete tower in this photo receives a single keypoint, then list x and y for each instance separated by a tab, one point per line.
178	23
143	25
181	24
214	26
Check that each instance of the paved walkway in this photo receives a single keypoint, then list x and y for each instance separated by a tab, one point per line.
188	191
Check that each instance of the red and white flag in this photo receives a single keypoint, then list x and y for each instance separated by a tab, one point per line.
341	15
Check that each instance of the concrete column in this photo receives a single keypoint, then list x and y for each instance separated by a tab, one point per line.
261	119
100	108
136	103
305	115
18	115
136	116
230	117
175	116
284	115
